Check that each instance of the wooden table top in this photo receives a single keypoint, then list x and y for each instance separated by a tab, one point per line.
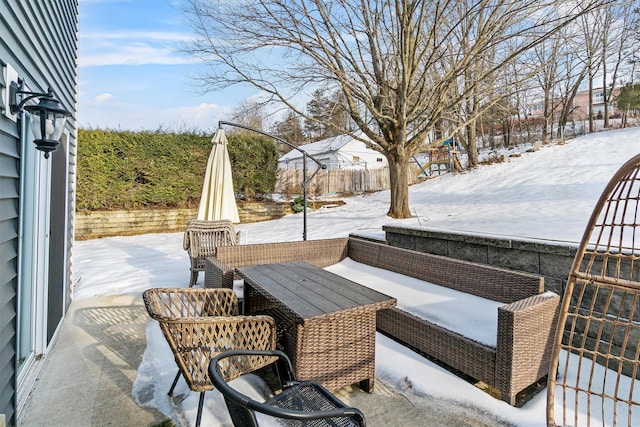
310	291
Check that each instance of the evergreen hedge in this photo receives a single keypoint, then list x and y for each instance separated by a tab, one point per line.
132	170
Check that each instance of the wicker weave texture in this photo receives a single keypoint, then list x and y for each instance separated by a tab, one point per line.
493	283
344	339
200	323
169	304
202	238
219	272
457	351
524	342
525	324
600	315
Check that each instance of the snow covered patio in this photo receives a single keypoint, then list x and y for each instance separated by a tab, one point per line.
100	356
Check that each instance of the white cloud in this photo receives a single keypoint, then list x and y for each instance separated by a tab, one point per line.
201	117
136	117
132	48
137	54
103	97
138	35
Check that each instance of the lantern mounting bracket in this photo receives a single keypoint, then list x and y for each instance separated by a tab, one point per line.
49	115
15	89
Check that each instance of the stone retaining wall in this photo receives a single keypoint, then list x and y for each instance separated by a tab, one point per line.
91	225
551	259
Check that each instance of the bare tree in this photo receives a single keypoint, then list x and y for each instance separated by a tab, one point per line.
546	54
393	60
571	72
592	35
289	129
521	95
616	24
564	64
631	54
251	114
326	108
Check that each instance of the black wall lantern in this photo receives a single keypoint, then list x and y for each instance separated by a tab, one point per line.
48	116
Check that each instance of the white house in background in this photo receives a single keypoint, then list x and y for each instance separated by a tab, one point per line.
338	152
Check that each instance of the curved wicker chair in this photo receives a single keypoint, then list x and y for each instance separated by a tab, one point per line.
200	323
201	238
301	403
599	324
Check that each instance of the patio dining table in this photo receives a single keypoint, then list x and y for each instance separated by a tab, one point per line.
325	323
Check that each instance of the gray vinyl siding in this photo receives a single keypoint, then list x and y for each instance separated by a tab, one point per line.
38	38
9	182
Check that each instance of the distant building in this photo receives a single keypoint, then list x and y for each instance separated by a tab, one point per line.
581	104
339	152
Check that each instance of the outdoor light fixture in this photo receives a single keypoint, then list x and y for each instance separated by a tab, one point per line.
48	116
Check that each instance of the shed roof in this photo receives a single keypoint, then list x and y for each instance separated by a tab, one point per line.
325	146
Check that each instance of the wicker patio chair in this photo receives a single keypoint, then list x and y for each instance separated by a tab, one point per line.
301	403
599	324
201	238
200	323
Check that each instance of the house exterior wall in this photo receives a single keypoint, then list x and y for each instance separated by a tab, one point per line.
38	43
298	162
581	104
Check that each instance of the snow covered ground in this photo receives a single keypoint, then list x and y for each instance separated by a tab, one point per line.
548	194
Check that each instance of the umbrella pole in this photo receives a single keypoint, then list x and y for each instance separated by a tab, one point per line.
304	196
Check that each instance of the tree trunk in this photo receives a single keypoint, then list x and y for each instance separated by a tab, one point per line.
472	148
399	177
506	132
592	127
545	112
528	124
605	95
492	140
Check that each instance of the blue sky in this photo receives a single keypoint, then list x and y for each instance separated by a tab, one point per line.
131	75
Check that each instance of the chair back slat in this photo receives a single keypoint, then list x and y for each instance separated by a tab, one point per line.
594	371
167	304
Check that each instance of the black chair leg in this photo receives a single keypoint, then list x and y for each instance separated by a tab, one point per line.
175	381
193	279
200	403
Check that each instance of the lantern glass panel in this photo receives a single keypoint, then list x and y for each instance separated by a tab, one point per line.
53	126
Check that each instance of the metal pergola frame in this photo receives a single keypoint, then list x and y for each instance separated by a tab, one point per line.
306	180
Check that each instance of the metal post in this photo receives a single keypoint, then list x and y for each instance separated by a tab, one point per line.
304	196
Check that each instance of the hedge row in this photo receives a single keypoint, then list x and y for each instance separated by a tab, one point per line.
129	170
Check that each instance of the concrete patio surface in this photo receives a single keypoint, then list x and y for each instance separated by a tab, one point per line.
88	375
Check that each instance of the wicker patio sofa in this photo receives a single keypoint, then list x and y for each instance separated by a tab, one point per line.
526	321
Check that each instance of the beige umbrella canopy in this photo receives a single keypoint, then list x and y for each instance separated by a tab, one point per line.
218	200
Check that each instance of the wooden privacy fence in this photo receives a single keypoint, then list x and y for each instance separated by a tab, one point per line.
340	180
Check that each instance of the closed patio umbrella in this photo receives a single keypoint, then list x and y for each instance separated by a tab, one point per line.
218	199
